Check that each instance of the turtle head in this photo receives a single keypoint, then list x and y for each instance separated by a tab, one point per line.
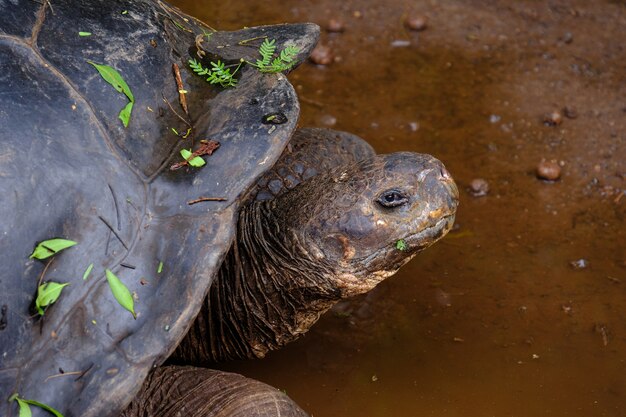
364	221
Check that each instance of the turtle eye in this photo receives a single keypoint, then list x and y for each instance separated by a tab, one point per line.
392	198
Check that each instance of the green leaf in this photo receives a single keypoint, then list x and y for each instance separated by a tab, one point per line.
49	247
121	292
25	409
195	161
114	78
160	268
45	407
84	33
125	114
87	271
402	245
47	294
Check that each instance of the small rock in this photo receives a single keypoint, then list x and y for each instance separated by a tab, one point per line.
567	37
478	187
400	43
321	55
414	126
374	378
548	170
416	22
570	112
335	26
553	119
579	263
328	120
494	118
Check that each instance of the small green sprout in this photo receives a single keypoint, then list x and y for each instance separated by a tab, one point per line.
160	268
84	33
401	245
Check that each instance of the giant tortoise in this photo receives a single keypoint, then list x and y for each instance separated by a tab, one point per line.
228	260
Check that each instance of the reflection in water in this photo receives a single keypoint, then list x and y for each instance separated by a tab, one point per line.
493	320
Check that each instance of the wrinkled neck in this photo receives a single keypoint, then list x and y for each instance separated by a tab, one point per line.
270	290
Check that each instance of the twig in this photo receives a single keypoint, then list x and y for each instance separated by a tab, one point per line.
181	88
207	147
50	4
200	51
245	41
44	272
114	232
201	199
84	372
174	111
63	374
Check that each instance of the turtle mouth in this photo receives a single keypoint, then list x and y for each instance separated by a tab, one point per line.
388	259
429	235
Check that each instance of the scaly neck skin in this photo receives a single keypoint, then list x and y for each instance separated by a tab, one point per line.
326	239
269	291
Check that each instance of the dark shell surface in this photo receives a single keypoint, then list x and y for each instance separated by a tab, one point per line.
69	169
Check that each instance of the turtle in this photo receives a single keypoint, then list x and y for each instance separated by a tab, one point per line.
228	260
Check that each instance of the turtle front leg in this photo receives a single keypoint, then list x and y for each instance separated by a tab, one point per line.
173	391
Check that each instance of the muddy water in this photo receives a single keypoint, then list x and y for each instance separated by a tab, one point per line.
494	320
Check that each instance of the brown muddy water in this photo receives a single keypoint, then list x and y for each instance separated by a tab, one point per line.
495	320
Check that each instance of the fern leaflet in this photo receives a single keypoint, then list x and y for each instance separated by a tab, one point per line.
218	74
266	50
284	60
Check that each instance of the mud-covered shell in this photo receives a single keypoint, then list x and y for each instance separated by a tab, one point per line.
70	169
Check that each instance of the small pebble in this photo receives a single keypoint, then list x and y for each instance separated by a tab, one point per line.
414	126
416	22
335	26
328	120
479	187
494	118
570	112
321	55
567	37
548	170
400	43
579	263
553	119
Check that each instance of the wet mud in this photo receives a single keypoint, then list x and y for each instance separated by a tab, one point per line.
521	310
